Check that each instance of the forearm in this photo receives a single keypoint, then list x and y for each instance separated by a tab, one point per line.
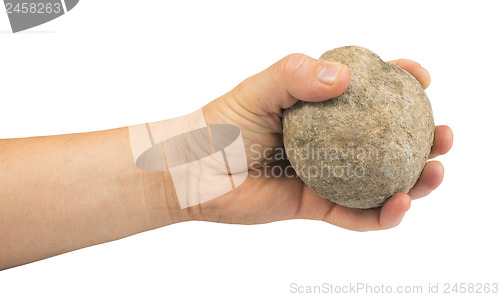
62	193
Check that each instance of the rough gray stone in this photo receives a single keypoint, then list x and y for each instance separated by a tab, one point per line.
368	144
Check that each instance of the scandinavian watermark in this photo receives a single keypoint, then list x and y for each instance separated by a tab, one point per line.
329	161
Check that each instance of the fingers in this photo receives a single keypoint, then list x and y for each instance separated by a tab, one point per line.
443	141
389	216
414	68
295	77
393	210
433	172
443	135
429	180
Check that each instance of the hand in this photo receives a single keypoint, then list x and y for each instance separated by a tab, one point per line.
255	106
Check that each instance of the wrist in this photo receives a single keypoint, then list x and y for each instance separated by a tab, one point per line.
185	163
162	205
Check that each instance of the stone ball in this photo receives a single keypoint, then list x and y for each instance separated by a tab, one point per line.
368	144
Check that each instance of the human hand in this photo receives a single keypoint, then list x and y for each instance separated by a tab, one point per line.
255	106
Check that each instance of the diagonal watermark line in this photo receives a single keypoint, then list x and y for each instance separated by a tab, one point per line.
63	3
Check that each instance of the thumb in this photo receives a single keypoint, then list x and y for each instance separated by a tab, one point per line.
295	77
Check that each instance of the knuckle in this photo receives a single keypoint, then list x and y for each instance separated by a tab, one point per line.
293	63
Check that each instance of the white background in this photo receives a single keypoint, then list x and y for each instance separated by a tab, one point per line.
115	63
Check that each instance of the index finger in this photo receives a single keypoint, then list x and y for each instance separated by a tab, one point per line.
415	69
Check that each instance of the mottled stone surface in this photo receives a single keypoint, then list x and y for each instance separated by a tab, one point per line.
368	144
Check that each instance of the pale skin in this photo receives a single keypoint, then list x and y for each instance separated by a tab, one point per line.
62	193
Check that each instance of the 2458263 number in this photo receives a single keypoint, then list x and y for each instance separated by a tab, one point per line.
475	288
33	8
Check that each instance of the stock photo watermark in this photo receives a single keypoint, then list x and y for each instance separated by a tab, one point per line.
331	162
365	288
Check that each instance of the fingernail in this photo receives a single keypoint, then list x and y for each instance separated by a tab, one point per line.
329	74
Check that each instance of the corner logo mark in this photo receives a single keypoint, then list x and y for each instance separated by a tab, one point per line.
26	14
